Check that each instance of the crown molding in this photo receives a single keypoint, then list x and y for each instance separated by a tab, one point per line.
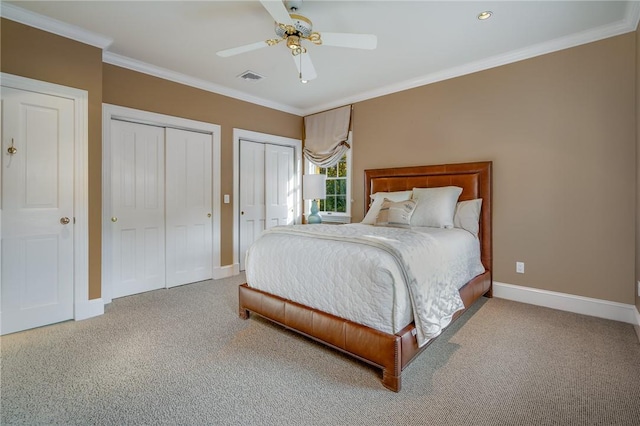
628	24
632	16
54	26
44	23
143	67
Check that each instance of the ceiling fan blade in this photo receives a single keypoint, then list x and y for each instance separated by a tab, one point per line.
303	62
356	41
242	49
277	10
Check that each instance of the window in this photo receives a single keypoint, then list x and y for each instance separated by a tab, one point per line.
336	207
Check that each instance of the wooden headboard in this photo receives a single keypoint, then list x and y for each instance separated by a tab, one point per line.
473	178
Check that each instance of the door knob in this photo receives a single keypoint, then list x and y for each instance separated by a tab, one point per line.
12	149
241	213
208	214
114	219
64	220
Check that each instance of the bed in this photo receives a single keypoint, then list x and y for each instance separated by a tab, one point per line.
390	347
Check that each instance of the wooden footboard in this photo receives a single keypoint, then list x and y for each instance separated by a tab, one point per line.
369	345
390	352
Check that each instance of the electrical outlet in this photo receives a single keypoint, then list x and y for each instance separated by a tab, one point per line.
639	288
520	267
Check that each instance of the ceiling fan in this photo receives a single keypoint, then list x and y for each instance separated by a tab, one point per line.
293	28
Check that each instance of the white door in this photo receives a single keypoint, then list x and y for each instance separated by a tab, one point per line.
189	248
37	209
279	185
266	190
252	208
137	208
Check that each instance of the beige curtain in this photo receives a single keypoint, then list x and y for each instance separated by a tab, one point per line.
326	135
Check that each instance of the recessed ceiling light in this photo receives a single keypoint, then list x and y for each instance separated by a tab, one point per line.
485	15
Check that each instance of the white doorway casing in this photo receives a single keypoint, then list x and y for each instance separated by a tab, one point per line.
110	112
82	307
251	136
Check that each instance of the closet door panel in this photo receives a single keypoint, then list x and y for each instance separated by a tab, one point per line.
189	246
137	208
279	188
252	195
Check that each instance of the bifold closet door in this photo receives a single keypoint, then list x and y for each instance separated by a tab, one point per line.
266	190
137	208
189	246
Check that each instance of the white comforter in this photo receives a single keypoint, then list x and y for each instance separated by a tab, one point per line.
381	277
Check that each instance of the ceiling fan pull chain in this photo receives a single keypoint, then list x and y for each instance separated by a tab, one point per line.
300	72
303	81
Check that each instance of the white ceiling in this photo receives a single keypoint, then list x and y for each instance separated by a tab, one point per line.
419	42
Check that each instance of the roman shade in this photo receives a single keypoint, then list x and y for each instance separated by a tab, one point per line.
326	135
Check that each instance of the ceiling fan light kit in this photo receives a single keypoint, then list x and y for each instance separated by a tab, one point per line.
293	43
293	28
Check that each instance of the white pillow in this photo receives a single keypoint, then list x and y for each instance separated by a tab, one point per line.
396	213
378	199
436	206
467	215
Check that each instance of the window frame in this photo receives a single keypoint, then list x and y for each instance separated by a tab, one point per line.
334	217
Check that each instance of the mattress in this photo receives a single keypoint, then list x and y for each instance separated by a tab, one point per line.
381	277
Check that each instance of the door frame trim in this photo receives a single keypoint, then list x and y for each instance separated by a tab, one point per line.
251	136
110	112
82	307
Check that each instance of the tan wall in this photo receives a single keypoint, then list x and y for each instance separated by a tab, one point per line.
560	129
637	166
43	56
135	90
39	55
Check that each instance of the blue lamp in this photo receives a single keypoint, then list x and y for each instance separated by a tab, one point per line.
314	188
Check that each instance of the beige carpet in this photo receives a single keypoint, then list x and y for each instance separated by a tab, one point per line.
182	356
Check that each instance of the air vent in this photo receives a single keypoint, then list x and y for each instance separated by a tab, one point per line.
251	76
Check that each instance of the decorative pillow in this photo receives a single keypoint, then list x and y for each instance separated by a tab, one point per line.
467	215
396	213
436	206
378	199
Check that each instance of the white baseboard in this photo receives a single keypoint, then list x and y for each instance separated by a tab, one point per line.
226	271
88	309
568	302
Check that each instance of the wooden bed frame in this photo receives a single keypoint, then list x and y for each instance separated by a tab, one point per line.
391	352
